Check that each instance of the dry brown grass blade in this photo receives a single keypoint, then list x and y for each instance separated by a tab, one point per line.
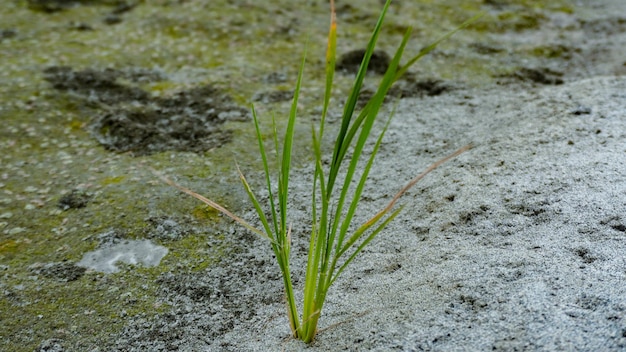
211	203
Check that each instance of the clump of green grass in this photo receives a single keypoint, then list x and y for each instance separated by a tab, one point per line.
336	189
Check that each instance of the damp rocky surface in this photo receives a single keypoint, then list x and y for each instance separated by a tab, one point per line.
516	245
127	119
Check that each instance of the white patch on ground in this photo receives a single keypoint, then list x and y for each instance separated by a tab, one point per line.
133	252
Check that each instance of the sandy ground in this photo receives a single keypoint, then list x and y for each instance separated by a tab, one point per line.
517	245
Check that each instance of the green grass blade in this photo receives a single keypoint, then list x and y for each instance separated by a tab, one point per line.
388	80
402	71
352	100
318	242
353	206
366	128
317	232
342	144
327	267
364	243
359	190
284	236
283	187
374	220
282	257
434	44
331	51
257	205
266	169
275	138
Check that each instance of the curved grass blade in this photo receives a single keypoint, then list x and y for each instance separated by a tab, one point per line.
366	127
402	70
352	100
267	180
283	186
318	234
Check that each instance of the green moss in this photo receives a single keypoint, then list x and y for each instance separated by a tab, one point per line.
69	310
162	87
519	20
204	212
193	253
8	248
112	180
553	51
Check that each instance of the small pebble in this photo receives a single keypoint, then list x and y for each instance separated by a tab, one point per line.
581	110
16	230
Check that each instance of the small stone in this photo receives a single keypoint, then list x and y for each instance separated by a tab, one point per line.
61	271
16	230
74	200
581	110
7	33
